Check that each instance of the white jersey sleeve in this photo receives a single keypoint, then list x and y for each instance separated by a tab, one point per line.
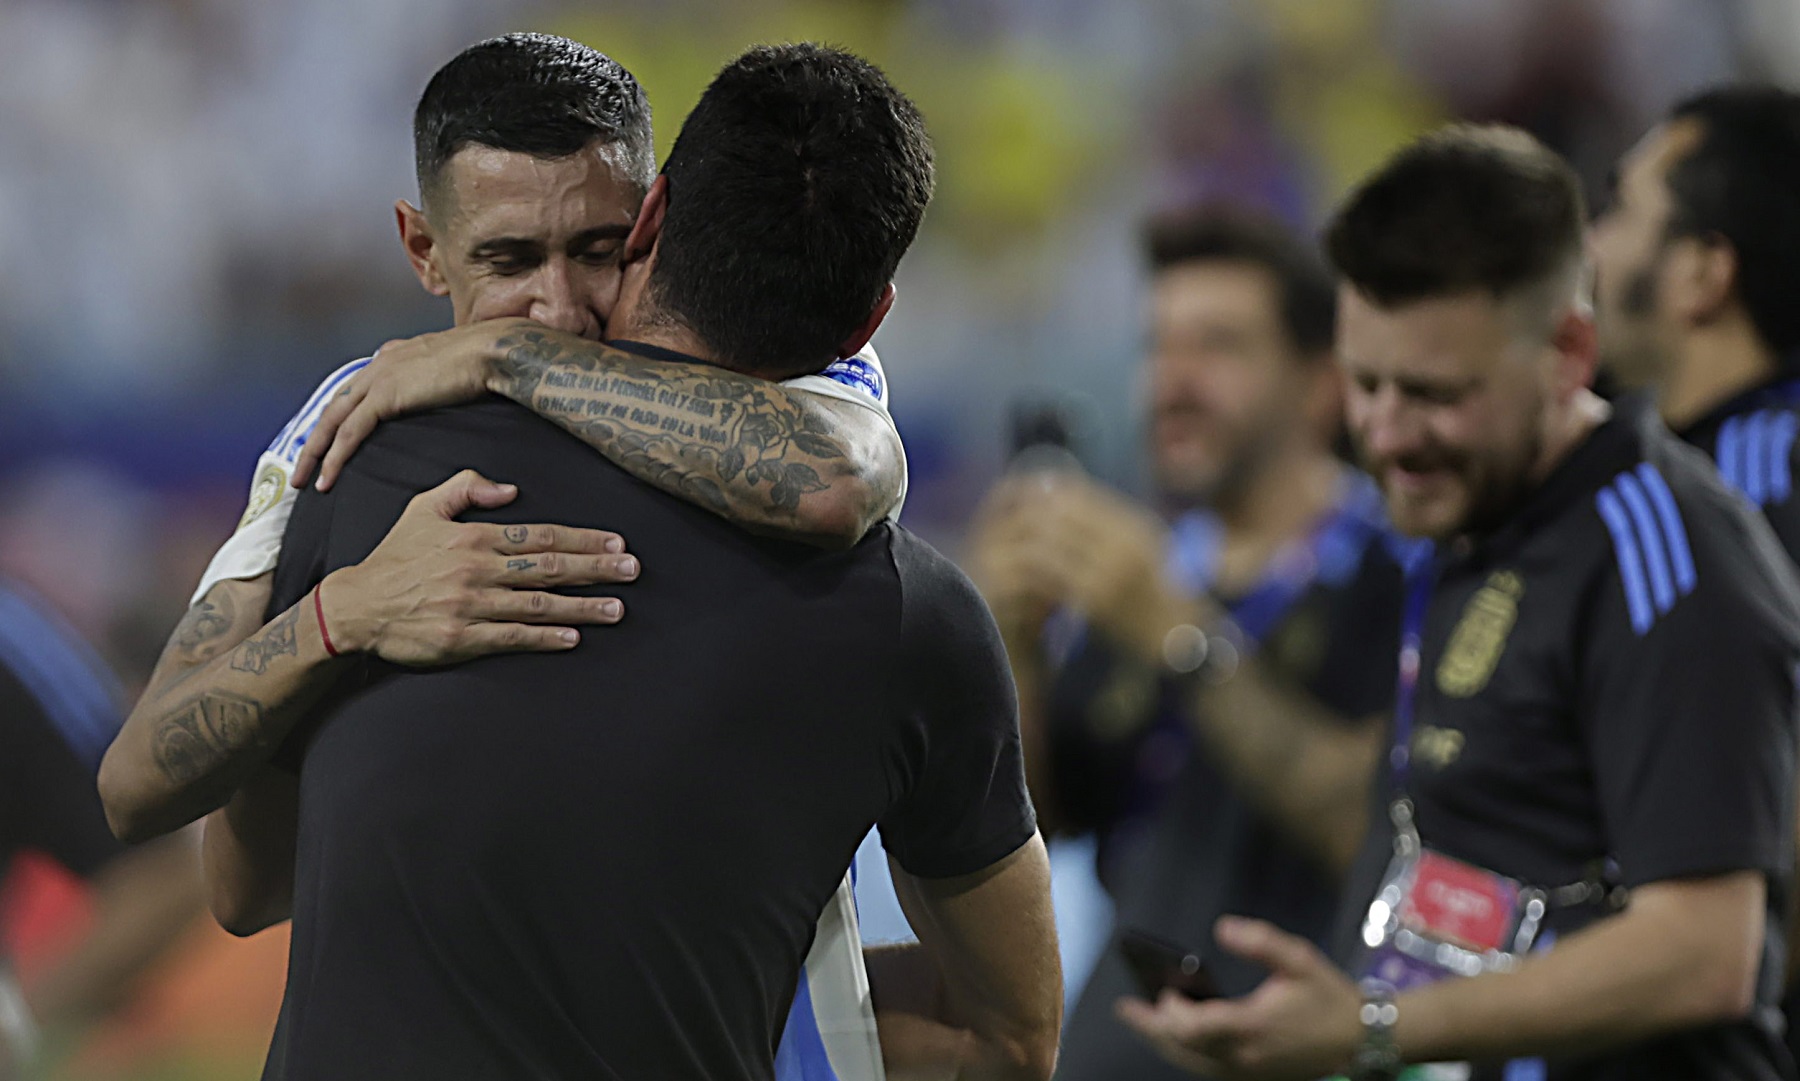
862	380
255	547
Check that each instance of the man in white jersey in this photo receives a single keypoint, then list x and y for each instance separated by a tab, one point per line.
519	251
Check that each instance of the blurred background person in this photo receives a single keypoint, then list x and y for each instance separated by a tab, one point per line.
1698	265
59	707
1132	730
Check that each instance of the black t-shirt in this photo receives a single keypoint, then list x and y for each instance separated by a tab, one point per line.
1208	850
1608	683
59	708
609	863
1751	439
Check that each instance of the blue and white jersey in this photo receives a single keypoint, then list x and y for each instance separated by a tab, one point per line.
830	1033
255	547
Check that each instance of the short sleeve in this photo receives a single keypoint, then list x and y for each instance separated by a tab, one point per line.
1688	690
966	807
860	380
254	548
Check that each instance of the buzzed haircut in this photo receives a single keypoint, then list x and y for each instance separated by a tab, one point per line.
1466	208
1224	234
795	186
1741	184
534	94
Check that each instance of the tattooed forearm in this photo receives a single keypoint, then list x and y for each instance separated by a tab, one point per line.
742	447
276	640
199	634
203	732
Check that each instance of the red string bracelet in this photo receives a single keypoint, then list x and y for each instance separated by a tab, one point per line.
319	610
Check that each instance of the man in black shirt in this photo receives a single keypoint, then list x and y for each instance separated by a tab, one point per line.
1698	258
609	864
1597	683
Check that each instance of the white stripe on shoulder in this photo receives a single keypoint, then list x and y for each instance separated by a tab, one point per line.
292	437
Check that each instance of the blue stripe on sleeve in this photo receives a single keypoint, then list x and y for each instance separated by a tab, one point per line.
293	437
1756	457
1631	567
1781	456
800	1056
1656	560
1681	556
1729	453
75	691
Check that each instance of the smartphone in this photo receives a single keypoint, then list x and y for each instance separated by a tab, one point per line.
1156	963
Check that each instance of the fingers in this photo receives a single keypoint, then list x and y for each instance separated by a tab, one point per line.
1168	1025
318	441
344	438
530	539
481	639
546	569
466	489
525	606
1268	945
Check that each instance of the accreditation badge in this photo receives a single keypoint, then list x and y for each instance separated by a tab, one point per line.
1437	917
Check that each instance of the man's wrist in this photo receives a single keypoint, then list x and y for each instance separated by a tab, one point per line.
1377	1054
500	357
343	627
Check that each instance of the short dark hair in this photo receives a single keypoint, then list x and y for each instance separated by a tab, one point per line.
534	94
1215	233
1742	184
795	186
1464	208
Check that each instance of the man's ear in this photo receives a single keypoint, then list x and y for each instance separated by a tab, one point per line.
1576	340
416	237
641	241
860	337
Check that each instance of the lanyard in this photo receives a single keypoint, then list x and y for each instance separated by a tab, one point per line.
1421	574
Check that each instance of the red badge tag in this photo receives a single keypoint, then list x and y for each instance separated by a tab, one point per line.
1456	902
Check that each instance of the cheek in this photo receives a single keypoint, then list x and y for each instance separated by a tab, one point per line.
495	298
601	289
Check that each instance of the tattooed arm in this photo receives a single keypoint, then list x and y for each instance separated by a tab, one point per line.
224	694
766	456
227	689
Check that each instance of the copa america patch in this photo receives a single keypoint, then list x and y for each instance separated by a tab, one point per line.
857	373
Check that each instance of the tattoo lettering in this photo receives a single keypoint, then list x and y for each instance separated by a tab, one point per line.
519	564
731	443
195	737
516	534
276	640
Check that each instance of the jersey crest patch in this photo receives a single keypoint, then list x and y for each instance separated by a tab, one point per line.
1437	747
265	492
1480	635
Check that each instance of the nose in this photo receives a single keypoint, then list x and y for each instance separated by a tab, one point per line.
1387	426
560	302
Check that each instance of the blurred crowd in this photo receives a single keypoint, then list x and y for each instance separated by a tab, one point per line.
200	194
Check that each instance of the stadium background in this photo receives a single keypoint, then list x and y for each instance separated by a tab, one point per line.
195	225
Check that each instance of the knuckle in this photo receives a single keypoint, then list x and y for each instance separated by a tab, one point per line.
551	564
537	603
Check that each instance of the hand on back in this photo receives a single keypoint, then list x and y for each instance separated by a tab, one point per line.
436	590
